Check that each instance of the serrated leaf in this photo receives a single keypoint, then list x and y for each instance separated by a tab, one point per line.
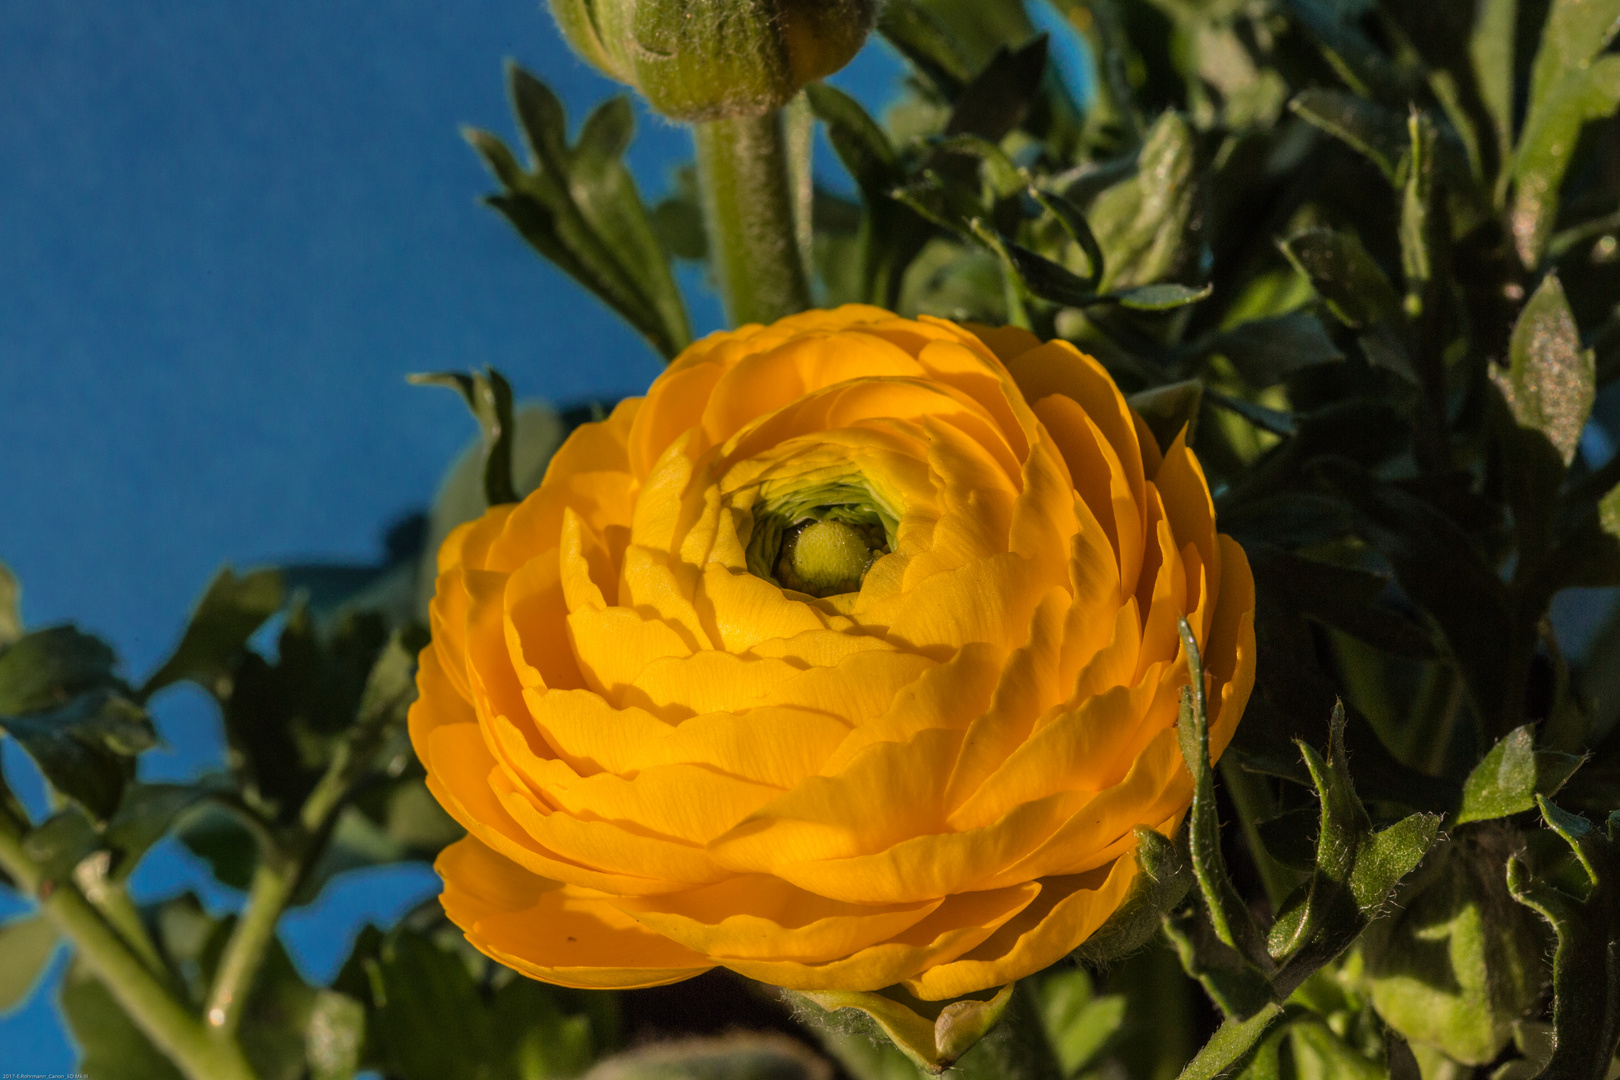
228	614
1550	381
1345	276
1367	127
1586	960
27	944
1267	351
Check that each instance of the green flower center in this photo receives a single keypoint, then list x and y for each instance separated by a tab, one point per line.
821	539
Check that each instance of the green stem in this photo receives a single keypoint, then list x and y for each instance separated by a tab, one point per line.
165	1020
748	208
282	865
272	887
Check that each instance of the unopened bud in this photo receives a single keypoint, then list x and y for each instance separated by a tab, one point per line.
710	59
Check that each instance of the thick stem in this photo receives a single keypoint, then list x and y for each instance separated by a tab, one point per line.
165	1020
748	209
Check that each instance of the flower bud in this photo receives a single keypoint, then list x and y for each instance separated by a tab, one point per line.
1461	961
709	59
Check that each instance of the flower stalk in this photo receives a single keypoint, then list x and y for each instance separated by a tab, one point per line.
748	212
147	1000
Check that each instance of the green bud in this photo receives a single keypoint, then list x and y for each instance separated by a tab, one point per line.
711	59
825	558
1460	962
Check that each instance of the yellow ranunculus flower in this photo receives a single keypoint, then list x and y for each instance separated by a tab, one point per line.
926	768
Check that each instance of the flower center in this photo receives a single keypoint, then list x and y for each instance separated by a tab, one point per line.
820	539
825	558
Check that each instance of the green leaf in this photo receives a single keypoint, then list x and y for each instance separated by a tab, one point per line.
999	97
85	748
489	396
1345	276
1267	351
45	669
1574	33
229	613
1417	226
1163	877
1491	43
1552	128
146	814
1074	223
1550	381
1163	296
430	1021
738	1056
1369	128
1345	598
1586	960
111	1046
27	944
335	1036
858	140
11	624
891	233
1457	963
1228	914
1234	1044
1511	775
919	36
1171	410
1149	224
579	207
60	842
1387	856
1078	1022
932	1045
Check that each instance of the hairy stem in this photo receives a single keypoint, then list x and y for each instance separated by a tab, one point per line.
748	205
142	994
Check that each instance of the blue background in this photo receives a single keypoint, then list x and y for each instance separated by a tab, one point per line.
227	233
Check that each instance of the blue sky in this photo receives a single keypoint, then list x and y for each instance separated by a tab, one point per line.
227	233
